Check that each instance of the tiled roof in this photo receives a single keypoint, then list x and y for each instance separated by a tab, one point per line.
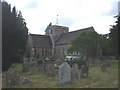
66	38
59	27
42	41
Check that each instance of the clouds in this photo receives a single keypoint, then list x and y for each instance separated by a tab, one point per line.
32	5
75	14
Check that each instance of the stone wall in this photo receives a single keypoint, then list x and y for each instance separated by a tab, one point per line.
61	50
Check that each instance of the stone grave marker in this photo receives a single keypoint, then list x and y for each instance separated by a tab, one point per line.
108	63
25	81
74	72
83	71
50	69
12	78
25	67
103	67
64	73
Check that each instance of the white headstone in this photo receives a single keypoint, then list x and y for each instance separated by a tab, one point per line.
64	73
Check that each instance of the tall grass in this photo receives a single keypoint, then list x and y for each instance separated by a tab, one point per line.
16	66
95	79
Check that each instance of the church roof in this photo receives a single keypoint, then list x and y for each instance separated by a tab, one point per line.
66	38
59	27
41	41
44	41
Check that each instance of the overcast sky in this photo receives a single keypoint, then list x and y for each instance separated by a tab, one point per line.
75	14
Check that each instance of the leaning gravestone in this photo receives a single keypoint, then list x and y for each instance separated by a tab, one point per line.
74	72
64	73
83	71
12	78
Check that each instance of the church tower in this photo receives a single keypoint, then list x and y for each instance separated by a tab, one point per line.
55	31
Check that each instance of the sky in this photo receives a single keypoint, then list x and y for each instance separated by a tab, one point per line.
75	14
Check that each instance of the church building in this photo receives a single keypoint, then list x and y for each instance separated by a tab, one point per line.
54	43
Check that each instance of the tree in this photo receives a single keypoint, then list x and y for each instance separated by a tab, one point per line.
14	35
114	36
90	43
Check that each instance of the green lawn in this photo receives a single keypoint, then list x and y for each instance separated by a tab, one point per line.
96	79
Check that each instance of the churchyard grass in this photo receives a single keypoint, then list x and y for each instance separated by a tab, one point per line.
16	66
96	79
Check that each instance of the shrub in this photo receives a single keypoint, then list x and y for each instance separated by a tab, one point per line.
79	62
40	61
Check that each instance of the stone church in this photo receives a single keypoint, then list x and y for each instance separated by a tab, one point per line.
55	42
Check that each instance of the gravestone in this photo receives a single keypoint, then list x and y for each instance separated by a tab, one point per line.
25	67
43	66
103	67
25	81
74	72
83	71
12	78
50	69
108	63
64	73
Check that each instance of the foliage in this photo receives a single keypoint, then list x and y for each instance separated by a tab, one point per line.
14	36
114	36
40	61
80	61
90	43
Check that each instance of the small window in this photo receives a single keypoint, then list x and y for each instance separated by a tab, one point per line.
63	50
50	31
42	53
46	53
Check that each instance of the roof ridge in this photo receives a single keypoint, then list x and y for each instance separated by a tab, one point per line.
69	36
59	25
39	35
81	29
72	32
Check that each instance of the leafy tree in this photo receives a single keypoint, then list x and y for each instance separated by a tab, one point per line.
114	36
14	35
90	43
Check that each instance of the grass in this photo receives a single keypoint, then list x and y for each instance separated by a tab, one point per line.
16	66
96	79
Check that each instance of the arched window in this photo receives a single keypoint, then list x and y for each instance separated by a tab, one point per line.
50	31
46	53
43	53
63	50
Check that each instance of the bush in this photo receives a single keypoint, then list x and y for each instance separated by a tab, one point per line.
40	61
79	62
